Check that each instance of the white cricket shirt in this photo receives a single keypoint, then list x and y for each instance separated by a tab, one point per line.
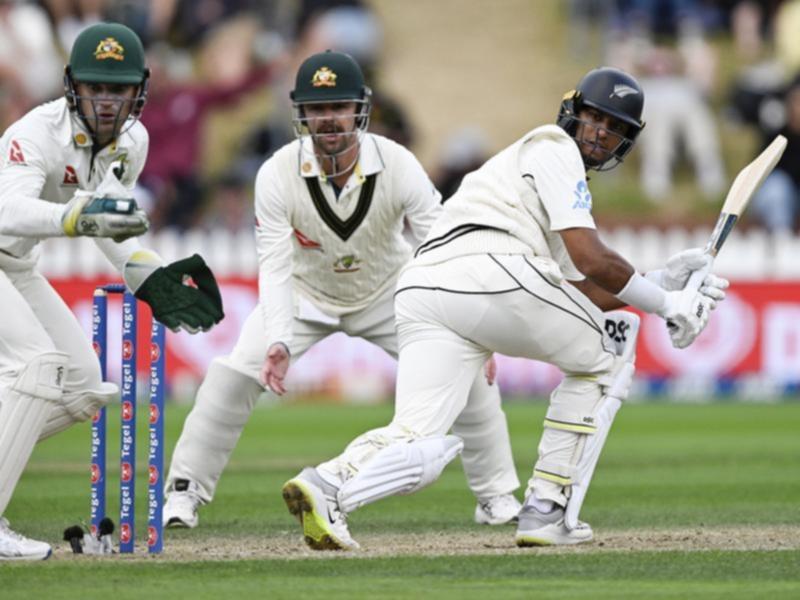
338	253
517	202
45	157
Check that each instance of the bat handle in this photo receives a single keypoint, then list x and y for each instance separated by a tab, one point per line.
696	279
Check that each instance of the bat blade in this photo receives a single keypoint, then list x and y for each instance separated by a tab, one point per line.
744	186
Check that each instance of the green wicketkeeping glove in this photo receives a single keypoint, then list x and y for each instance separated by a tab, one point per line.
176	302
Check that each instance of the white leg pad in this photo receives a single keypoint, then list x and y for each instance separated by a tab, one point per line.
400	468
23	410
76	407
589	457
43	377
623	329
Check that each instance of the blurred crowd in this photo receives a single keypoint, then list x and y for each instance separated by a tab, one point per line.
218	101
673	47
222	69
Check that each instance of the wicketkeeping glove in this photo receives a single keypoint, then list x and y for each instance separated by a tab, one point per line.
109	211
176	302
113	218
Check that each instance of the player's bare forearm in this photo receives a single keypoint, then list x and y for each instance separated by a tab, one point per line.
595	260
601	298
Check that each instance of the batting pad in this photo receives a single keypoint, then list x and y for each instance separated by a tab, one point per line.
23	410
400	468
76	407
589	457
615	393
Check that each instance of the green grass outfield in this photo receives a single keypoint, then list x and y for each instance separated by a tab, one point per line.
688	501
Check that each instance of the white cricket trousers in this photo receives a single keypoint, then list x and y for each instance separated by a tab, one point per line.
228	394
452	315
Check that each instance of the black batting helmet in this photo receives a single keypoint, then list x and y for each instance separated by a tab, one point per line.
612	92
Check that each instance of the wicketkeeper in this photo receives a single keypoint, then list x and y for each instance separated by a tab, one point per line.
68	168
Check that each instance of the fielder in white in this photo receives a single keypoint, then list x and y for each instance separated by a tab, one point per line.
67	168
514	265
330	209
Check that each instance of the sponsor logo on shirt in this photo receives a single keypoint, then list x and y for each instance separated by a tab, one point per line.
15	154
306	242
583	197
70	176
347	264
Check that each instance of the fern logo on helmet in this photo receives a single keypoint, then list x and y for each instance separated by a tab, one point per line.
324	77
109	48
621	90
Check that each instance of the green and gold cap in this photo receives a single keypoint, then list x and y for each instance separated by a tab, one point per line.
329	77
107	53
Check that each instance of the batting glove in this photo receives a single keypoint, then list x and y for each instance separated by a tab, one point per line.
679	268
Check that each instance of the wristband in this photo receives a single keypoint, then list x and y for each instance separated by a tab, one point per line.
642	294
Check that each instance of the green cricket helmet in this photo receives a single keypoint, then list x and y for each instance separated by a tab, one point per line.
331	77
610	91
108	53
325	78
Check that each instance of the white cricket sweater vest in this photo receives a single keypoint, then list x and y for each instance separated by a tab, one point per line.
347	251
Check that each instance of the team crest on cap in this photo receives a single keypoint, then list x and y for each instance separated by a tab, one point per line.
324	77
109	48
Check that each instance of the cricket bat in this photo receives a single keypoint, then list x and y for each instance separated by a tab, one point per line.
744	186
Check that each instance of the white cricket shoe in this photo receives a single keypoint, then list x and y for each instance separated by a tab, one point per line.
497	510
536	528
313	501
14	546
180	507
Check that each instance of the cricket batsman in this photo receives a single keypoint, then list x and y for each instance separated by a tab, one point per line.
68	168
330	211
514	265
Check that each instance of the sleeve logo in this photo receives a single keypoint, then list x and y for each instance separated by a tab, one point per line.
583	197
305	241
15	155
